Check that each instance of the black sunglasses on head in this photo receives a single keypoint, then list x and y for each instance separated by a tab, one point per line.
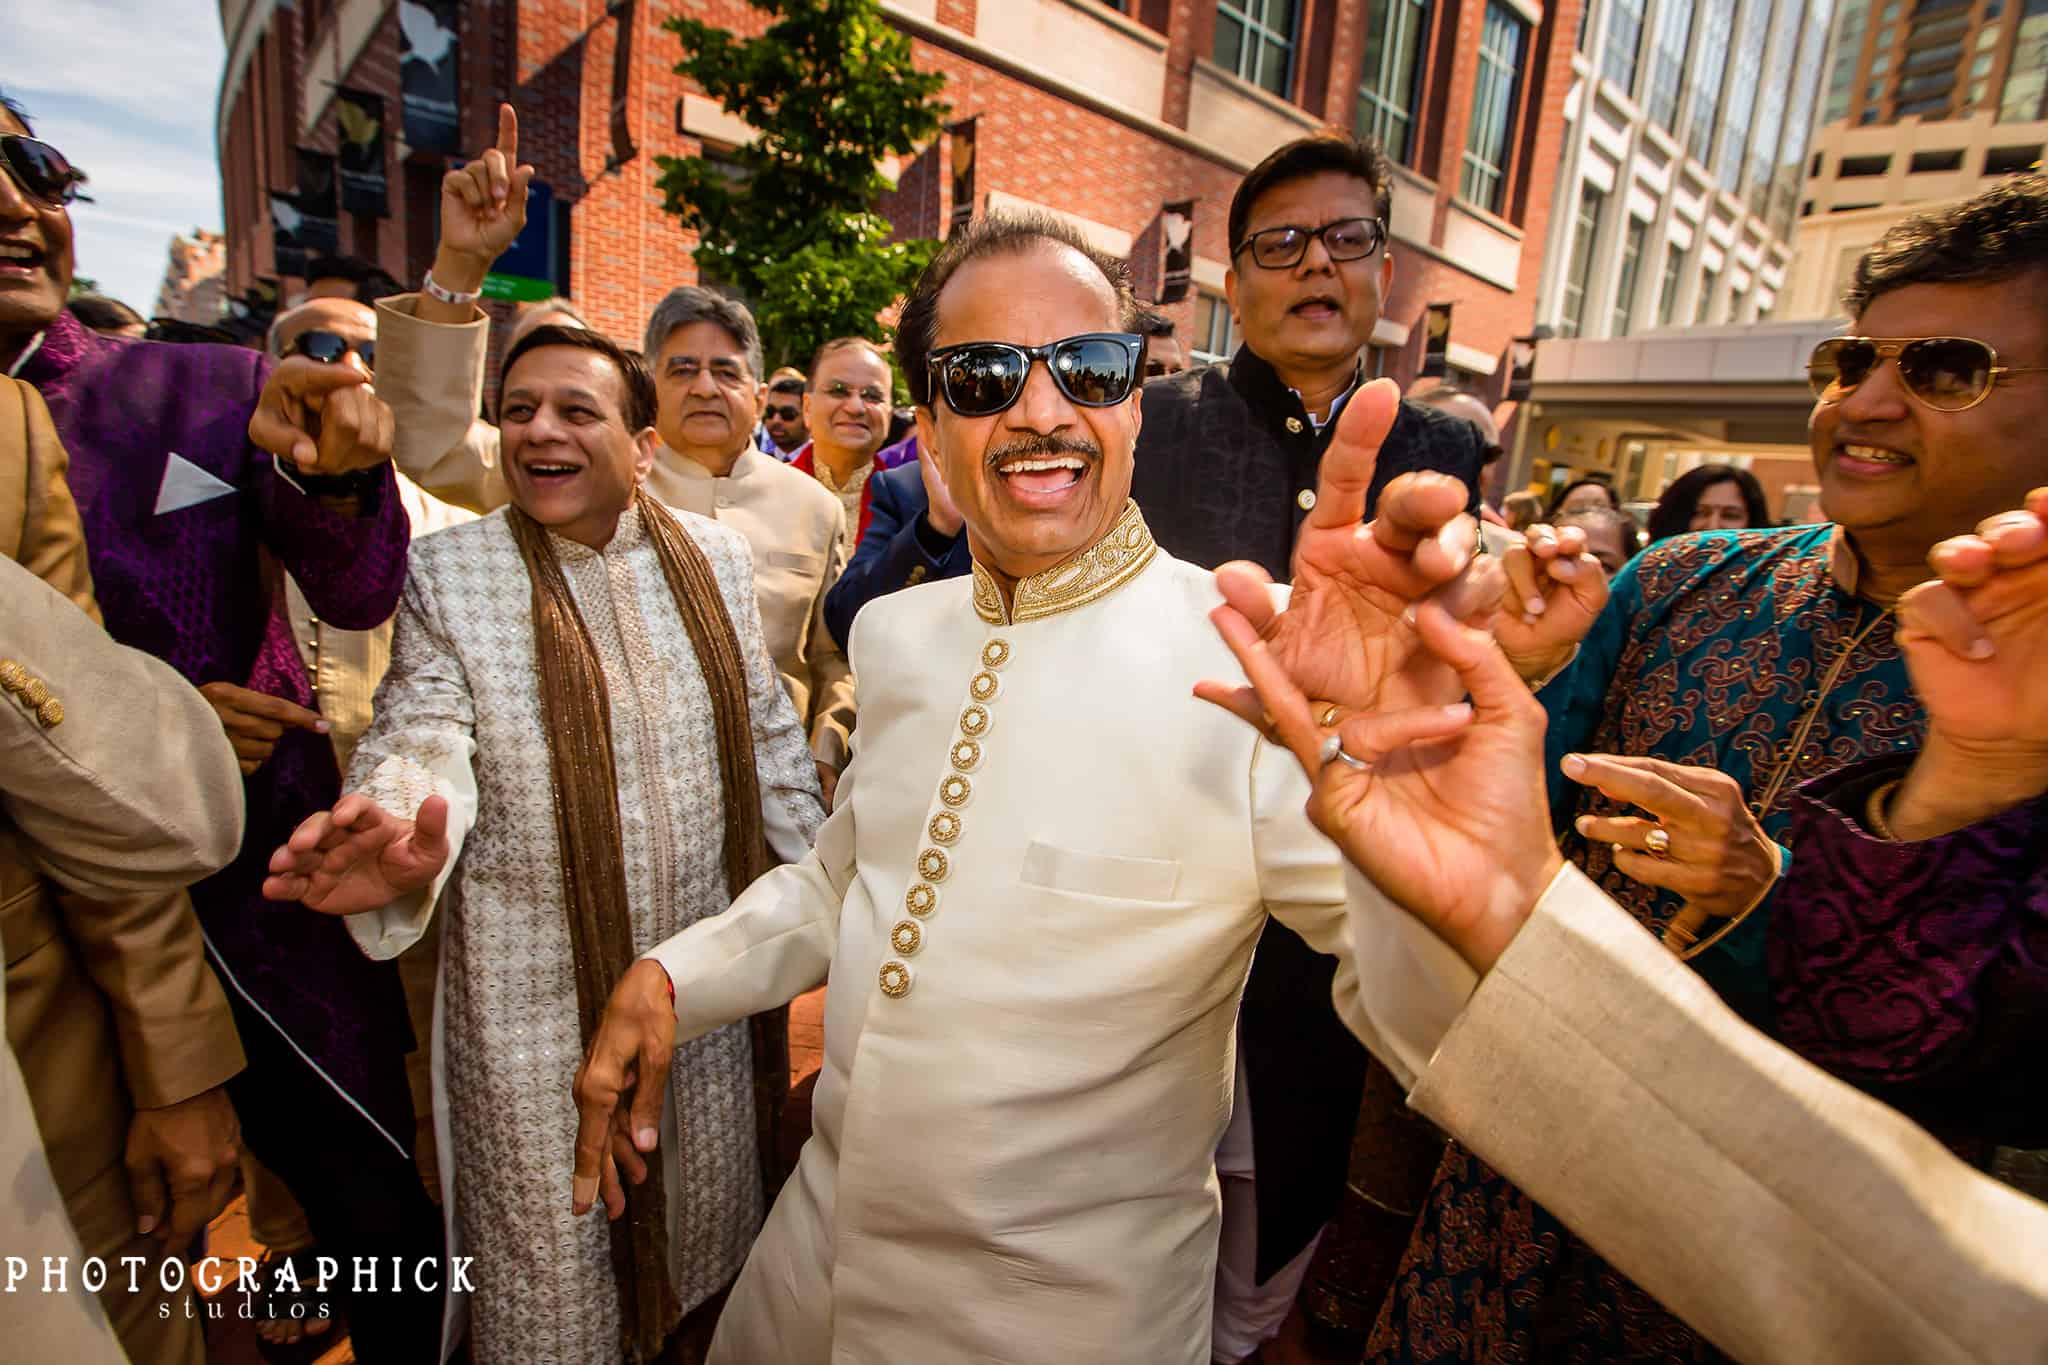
982	378
41	171
331	348
783	414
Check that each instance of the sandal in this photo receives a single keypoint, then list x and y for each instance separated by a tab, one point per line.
290	1329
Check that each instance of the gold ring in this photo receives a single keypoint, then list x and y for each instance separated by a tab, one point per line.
1658	841
1329	716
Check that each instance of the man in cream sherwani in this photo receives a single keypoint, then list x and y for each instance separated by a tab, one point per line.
1038	895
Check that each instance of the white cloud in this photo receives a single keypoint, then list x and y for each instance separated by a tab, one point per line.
159	58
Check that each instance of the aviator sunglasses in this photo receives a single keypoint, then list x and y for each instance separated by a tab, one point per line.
982	378
784	414
1948	374
330	348
41	171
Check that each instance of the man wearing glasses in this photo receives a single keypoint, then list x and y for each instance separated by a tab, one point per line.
1040	890
1728	668
1226	470
782	432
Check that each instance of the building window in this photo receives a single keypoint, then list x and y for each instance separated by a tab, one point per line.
1255	40
1622	312
1848	47
1215	329
1706	83
1585	231
1667	289
1924	162
1491	136
1667	63
1705	303
1743	80
1770	113
1784	191
1388	87
2009	160
1624	39
2025	97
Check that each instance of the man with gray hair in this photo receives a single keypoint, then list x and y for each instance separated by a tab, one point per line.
705	354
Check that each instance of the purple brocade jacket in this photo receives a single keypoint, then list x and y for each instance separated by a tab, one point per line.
1919	971
179	508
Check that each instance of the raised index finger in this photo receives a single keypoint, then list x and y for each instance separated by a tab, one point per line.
508	134
1347	468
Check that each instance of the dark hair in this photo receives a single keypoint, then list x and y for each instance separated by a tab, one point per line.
1673	514
371	281
13	106
1590	518
101	313
2000	234
635	387
1153	323
998	234
190	333
1359	158
1613	498
847	343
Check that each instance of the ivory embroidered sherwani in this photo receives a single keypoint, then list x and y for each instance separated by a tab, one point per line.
796	528
459	714
1038	894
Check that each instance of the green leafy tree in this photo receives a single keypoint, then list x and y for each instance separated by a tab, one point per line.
789	219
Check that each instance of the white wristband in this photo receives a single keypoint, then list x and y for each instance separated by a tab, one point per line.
434	289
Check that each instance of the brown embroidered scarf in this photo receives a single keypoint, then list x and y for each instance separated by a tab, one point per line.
576	708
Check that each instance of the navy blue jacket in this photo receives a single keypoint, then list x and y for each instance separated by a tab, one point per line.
897	550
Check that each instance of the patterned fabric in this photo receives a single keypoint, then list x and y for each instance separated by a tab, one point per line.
1709	653
1919	971
187	586
462	696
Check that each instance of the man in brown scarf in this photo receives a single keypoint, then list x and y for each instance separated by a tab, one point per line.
591	764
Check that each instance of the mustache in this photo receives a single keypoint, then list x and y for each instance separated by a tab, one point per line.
1030	446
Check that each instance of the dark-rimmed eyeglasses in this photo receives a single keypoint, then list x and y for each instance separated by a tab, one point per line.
1347	239
982	378
783	414
330	348
1947	374
41	171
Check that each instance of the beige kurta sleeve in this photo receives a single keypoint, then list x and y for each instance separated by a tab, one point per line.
421	743
1397	986
128	783
774	943
1782	1213
432	375
831	695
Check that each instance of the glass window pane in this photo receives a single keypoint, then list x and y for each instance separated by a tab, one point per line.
1491	135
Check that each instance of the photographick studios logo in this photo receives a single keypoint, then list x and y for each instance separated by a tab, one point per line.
253	1286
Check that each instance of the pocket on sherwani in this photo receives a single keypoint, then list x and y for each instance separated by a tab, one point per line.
1108	875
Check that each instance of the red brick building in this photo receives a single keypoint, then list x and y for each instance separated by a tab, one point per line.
1100	111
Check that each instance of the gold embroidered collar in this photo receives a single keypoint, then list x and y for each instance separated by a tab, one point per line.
1076	581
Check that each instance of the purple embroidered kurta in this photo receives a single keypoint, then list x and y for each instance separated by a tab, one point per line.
1919	971
178	506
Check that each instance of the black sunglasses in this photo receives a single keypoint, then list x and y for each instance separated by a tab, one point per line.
982	378
783	414
1347	239
41	171
1948	374
331	348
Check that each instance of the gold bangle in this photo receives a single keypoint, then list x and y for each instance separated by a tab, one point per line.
1873	812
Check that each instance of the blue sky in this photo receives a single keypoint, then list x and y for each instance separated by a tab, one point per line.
125	89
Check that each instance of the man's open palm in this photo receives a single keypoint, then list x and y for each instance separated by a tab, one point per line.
359	856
